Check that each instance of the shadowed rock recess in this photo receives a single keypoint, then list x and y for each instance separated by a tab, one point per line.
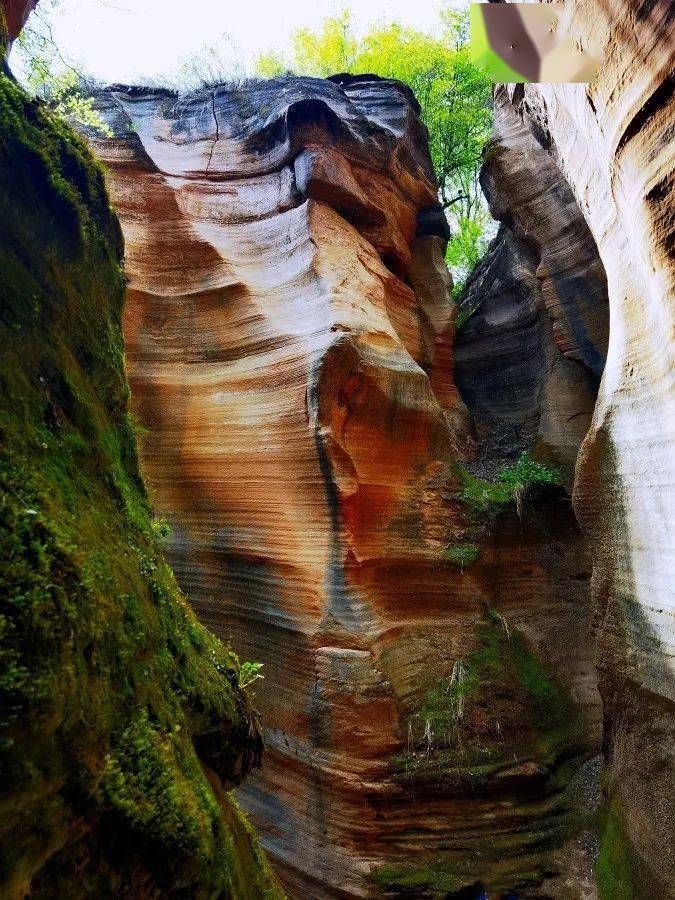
532	342
612	145
122	724
429	698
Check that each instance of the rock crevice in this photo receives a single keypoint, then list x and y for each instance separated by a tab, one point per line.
611	143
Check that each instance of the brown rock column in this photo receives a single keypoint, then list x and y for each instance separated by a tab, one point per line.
289	336
613	143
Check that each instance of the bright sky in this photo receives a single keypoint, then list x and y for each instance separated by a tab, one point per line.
124	40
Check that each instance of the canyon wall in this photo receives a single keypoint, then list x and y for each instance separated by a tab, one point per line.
123	727
532	346
429	695
416	587
612	144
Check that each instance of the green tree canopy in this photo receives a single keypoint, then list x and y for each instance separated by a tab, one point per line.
44	72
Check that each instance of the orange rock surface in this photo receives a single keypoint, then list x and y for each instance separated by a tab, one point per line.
289	335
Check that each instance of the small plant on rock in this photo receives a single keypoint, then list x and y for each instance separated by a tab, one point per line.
511	485
247	672
461	554
250	672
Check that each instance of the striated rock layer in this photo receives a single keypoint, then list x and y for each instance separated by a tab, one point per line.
289	335
613	143
14	14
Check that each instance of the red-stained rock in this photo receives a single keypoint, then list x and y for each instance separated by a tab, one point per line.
16	12
289	336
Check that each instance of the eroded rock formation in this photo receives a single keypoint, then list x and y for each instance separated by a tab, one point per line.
122	723
612	142
290	344
532	350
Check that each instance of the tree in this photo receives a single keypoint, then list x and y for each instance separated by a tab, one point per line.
333	50
40	66
454	96
465	248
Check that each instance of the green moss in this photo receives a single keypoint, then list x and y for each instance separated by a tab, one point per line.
500	725
437	877
58	161
464	872
449	770
461	554
117	705
489	498
3	33
159	788
500	703
619	874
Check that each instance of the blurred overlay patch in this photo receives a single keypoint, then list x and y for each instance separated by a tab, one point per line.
518	42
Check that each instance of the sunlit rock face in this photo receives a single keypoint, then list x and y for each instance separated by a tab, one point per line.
613	142
289	335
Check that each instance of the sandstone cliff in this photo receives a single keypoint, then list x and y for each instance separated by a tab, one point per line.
122	724
611	143
614	144
429	692
415	584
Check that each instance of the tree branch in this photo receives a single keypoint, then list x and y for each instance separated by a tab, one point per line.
455	200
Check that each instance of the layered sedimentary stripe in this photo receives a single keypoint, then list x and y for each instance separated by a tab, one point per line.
613	142
289	333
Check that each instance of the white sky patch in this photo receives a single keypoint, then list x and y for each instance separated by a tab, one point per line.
127	40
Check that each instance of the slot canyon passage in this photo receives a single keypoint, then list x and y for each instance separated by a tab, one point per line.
449	545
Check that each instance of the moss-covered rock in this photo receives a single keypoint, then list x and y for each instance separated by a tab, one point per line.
619	873
122	719
500	705
454	875
487	499
500	730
